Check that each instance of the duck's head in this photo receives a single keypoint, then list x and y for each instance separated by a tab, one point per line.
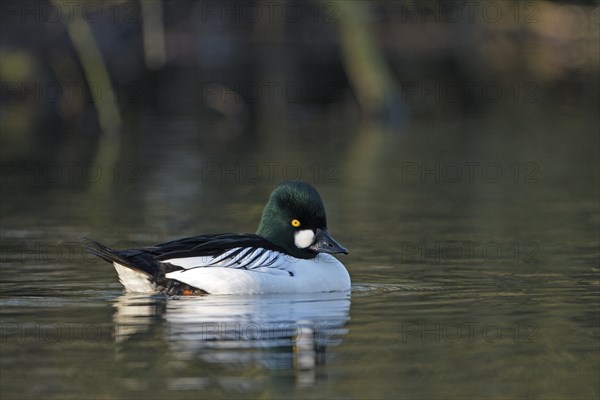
294	219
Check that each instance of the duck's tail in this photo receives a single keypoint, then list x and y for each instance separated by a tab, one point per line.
131	276
106	253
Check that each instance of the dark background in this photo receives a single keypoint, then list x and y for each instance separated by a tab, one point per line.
455	145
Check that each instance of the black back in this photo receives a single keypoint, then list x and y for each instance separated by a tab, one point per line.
148	259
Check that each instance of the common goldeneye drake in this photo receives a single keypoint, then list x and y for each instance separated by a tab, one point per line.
290	253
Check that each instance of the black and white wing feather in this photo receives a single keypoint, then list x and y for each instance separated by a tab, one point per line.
249	258
229	250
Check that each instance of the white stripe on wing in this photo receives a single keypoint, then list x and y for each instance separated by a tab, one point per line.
250	258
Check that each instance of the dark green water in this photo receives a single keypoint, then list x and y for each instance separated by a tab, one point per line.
473	253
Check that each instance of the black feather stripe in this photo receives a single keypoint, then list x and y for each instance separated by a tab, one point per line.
259	253
226	255
274	257
260	262
237	260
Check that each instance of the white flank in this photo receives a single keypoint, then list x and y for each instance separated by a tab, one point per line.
134	281
324	273
253	271
304	238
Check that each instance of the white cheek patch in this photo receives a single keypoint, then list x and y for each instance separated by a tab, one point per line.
304	238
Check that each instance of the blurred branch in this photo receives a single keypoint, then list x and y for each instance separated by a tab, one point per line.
154	34
96	73
370	76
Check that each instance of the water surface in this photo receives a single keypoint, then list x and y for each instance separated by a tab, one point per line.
480	286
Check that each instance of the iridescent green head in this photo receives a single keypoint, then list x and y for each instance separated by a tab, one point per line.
294	219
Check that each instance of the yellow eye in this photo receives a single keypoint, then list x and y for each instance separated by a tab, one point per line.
295	223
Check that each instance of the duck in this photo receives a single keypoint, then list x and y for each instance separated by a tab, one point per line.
291	252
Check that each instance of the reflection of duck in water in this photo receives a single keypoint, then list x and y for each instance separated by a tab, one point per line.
290	253
277	332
